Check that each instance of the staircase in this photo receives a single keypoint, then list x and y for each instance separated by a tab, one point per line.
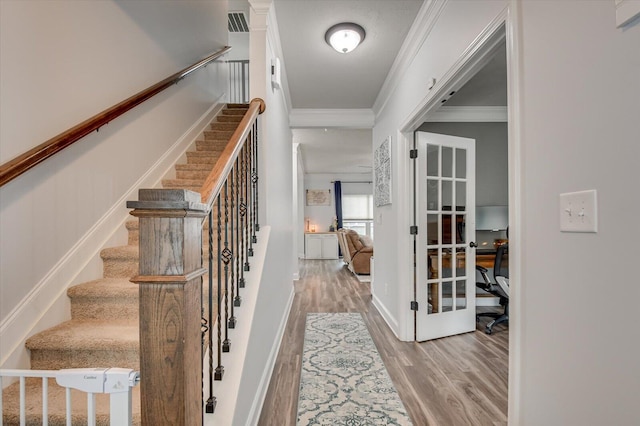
103	329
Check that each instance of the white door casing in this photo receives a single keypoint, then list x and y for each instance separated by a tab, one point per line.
445	214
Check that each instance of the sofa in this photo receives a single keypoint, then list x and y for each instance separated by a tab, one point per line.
357	251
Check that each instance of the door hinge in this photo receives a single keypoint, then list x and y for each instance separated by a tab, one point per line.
413	153
414	305
413	230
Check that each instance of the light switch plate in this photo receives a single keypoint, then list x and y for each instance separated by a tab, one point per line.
579	211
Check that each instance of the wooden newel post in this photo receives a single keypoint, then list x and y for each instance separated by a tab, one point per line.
170	305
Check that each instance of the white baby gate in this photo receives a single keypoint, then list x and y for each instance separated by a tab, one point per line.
118	382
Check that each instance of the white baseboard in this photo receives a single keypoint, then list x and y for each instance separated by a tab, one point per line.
46	304
386	315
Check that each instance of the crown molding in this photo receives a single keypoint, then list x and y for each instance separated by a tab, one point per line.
334	118
420	29
469	114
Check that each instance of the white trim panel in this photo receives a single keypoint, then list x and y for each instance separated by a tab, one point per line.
482	114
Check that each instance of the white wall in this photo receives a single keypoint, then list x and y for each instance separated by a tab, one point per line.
61	62
579	294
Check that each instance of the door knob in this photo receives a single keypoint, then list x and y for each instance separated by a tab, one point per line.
472	244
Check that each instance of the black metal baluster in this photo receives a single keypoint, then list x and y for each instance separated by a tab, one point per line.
226	345
219	368
211	402
255	177
238	300
232	256
250	195
243	212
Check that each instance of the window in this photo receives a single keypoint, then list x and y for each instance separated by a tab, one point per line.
357	213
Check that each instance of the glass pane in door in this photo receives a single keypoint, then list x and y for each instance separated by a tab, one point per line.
461	295
433	236
447	296
461	163
447	161
433	196
447	195
433	160
461	196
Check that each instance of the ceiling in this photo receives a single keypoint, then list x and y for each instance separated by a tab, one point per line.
320	78
335	150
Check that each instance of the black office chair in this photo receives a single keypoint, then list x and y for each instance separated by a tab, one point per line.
499	288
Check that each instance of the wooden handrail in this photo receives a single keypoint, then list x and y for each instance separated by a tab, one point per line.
213	184
15	167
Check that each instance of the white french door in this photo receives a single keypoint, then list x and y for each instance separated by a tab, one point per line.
445	256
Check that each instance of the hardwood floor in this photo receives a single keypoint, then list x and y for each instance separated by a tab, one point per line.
455	381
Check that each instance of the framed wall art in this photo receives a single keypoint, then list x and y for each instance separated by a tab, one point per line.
382	173
318	197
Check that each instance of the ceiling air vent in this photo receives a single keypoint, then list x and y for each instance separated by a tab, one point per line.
238	22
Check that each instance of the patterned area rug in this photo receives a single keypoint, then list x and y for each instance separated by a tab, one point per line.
343	380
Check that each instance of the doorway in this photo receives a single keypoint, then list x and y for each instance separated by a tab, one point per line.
442	110
474	108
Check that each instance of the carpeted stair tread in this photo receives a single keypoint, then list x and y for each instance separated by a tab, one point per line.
217	125
182	183
238	106
105	299
192	167
131	224
56	401
219	134
202	157
133	231
128	252
234	111
193	174
121	261
217	145
193	171
227	118
80	335
104	288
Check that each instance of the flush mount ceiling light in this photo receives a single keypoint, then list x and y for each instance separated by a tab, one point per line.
344	37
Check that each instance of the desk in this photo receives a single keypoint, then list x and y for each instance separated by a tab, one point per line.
486	260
